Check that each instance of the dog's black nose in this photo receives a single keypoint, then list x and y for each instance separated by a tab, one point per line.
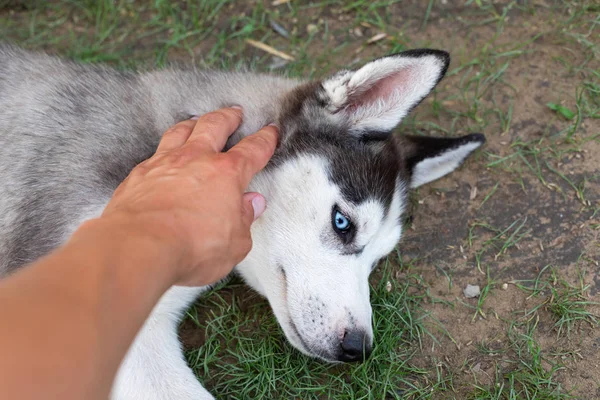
355	347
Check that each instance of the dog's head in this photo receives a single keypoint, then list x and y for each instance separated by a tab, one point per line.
336	189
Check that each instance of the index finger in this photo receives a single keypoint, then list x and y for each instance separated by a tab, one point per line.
214	128
254	152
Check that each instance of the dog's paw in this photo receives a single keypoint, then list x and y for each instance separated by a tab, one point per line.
146	375
166	388
154	367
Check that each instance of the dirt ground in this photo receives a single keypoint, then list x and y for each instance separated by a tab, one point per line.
526	205
559	230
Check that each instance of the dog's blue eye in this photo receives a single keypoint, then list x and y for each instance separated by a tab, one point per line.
341	222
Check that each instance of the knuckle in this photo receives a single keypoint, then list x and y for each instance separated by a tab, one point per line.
259	141
193	146
142	168
175	130
214	118
229	164
180	158
264	145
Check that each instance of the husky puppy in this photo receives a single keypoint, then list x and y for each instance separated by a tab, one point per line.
336	186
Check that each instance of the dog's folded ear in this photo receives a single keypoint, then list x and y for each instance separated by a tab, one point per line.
373	99
429	158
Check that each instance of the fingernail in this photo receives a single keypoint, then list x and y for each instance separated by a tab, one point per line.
195	117
258	204
237	107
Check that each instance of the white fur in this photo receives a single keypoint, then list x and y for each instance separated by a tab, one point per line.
315	265
336	87
433	168
325	288
155	368
321	283
417	77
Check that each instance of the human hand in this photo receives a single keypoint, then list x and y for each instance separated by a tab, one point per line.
189	196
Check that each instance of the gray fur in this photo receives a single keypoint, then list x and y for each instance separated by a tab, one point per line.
70	133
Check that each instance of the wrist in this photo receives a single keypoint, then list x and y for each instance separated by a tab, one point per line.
139	246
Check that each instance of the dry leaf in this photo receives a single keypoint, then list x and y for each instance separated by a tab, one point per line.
377	38
473	193
269	49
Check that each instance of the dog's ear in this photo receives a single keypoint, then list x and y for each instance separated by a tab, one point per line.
373	99
430	158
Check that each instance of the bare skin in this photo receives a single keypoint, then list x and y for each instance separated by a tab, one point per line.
181	218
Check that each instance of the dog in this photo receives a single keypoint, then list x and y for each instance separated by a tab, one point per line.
336	187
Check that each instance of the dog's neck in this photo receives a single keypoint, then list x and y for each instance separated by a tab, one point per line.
177	95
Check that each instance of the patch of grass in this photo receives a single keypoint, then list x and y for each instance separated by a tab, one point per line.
491	347
573	115
569	307
525	370
543	158
489	195
561	110
531	376
246	356
485	291
501	242
568	304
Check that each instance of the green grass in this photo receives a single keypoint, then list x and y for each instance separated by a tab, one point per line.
525	370
501	241
567	303
531	376
260	363
497	47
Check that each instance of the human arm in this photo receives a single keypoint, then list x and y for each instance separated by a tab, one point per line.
181	217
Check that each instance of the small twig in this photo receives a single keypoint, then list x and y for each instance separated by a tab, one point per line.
269	49
377	38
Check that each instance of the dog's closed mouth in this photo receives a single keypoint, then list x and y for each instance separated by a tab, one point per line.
308	349
291	321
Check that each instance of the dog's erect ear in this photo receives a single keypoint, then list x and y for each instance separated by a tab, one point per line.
376	97
430	158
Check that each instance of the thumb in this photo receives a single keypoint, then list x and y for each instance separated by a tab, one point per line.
254	204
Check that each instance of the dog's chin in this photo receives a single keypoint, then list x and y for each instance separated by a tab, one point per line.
291	331
297	341
293	336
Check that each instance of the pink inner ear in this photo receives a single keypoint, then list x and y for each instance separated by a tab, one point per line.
381	89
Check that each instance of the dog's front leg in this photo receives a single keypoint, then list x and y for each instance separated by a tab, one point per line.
155	368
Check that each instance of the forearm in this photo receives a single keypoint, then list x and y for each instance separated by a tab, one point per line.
77	311
67	320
